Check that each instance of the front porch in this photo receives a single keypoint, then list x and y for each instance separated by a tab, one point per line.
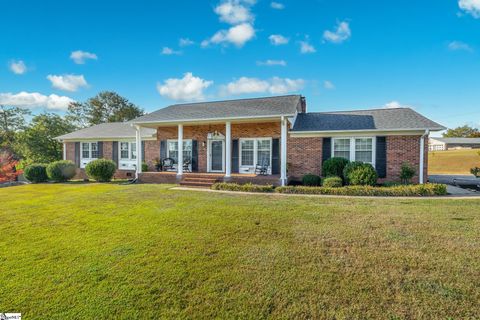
207	179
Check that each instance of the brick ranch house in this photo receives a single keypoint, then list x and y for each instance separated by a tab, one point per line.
226	140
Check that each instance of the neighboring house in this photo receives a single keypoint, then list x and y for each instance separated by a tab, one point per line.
226	140
439	144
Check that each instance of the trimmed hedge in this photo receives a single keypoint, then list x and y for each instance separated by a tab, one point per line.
363	175
311	180
101	170
332	182
333	167
249	187
397	191
36	173
349	168
61	171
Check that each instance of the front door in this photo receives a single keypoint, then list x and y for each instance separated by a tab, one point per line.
217	152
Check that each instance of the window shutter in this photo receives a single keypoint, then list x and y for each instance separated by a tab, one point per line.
275	156
381	157
194	156
143	150
235	157
326	149
100	149
115	152
163	149
77	154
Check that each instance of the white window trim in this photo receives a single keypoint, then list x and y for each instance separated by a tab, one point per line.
168	151
352	147
251	169
126	163
85	161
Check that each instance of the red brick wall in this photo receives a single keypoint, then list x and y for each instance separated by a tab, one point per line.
152	152
199	133
402	149
304	156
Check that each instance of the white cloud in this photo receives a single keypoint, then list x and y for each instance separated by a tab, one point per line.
470	6
18	67
306	47
186	88
67	82
79	56
235	11
277	5
35	100
278	39
340	34
238	35
328	85
275	85
269	62
168	51
459	46
395	104
185	42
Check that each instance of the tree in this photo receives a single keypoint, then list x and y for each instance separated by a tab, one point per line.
12	120
105	107
37	141
8	170
462	132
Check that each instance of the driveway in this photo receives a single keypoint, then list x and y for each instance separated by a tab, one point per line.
457	184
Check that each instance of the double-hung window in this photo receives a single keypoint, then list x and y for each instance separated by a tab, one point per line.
355	149
172	150
89	151
128	155
253	152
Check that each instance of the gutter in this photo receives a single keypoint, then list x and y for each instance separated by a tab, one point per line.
422	156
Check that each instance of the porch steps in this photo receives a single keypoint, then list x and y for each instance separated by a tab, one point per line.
198	181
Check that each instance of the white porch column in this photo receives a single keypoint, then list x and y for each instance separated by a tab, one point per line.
422	156
228	149
283	152
64	151
180	150
138	148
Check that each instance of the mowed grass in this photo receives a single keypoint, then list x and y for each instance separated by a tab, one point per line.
99	251
453	161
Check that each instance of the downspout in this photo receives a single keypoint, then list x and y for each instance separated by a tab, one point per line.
422	155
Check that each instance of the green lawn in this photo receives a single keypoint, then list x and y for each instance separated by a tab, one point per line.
143	251
453	161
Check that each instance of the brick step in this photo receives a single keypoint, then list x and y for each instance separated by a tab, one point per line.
213	180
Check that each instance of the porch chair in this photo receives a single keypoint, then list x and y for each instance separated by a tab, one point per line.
167	164
262	169
186	166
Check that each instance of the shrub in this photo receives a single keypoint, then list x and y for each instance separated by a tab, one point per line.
60	171
349	168
396	191
36	173
332	182
333	167
364	175
144	167
249	187
311	180
407	171
101	170
475	171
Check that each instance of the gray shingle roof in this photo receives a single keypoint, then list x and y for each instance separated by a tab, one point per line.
114	130
459	140
374	119
242	108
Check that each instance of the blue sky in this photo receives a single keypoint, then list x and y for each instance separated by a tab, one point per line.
341	55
